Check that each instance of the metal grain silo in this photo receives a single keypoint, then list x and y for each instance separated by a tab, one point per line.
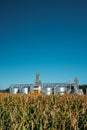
14	90
62	90
56	90
80	92
47	90
24	90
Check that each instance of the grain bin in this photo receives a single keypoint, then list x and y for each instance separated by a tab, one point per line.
56	90
24	90
14	90
60	89
47	90
80	92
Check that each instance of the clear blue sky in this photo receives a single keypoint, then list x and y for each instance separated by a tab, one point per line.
43	36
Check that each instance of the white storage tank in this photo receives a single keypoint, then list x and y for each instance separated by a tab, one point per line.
60	89
14	90
80	91
47	90
56	90
24	90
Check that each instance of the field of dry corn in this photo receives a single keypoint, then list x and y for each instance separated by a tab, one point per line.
54	112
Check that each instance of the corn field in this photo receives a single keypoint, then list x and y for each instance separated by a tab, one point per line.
42	112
